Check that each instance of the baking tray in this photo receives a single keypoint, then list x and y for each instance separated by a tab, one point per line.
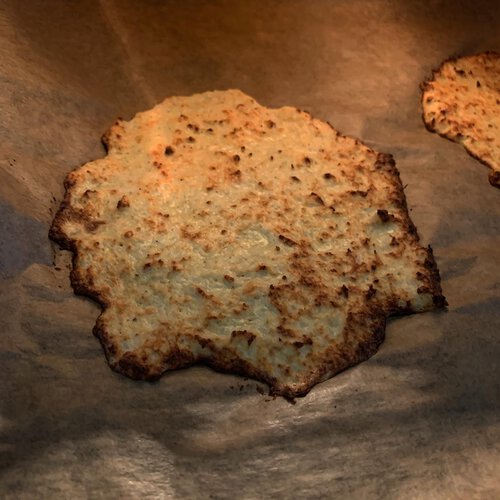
418	420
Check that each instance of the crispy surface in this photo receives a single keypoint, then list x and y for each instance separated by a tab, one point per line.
258	241
462	103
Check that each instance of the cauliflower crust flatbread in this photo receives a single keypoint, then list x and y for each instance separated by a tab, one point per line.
259	241
462	103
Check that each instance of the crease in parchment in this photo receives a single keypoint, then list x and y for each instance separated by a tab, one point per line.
130	56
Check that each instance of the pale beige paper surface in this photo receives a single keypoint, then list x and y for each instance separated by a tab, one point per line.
421	419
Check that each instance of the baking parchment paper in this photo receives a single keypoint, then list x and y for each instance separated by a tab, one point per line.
418	420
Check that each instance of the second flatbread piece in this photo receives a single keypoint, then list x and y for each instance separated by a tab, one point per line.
462	103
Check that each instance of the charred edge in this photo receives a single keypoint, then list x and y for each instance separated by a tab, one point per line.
135	367
353	351
131	365
386	161
494	178
227	362
80	285
435	280
106	137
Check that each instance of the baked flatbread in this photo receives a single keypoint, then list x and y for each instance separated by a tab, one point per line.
258	241
462	103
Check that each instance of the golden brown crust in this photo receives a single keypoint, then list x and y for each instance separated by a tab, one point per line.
460	131
301	283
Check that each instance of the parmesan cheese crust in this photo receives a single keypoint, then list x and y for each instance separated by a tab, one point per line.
462	103
258	241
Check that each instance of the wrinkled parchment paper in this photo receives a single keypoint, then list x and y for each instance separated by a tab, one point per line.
420	419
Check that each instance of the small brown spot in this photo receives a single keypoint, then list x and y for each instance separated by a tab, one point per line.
188	234
92	226
175	266
236	158
328	176
261	267
202	292
303	342
191	126
169	151
358	192
307	160
249	336
89	192
286	241
236	173
270	124
370	292
191	139
123	202
228	278
383	215
394	242
295	178
128	234
344	291
317	198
